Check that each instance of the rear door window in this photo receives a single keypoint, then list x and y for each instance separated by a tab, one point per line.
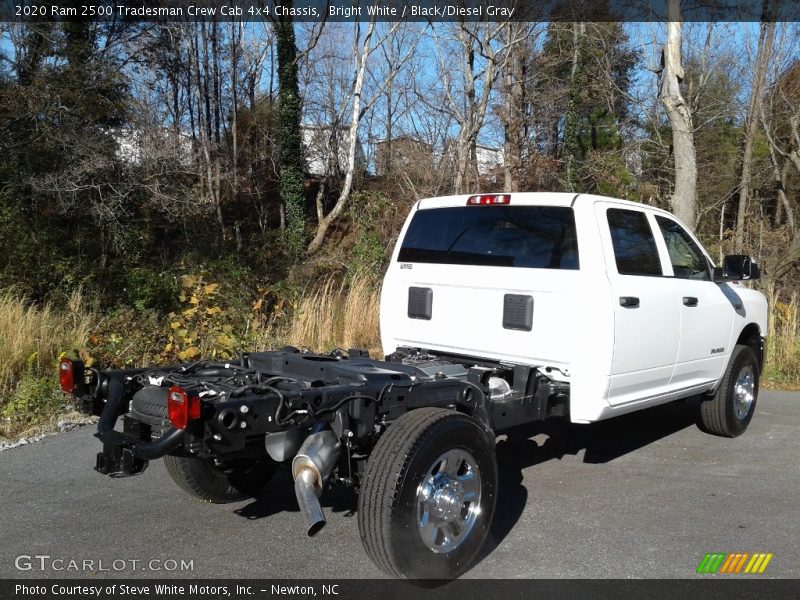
537	237
635	248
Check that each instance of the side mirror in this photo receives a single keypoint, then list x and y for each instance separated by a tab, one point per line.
737	267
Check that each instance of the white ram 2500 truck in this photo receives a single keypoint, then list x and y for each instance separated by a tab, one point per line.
497	310
616	299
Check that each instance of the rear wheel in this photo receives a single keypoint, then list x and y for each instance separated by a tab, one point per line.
219	485
199	477
428	497
730	409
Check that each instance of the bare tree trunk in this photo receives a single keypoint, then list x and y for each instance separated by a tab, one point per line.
684	195
754	108
389	128
235	40
780	168
779	173
464	153
465	143
783	198
205	109
215	73
794	155
360	105
472	113
513	116
325	222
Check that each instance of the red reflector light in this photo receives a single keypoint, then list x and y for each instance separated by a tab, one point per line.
489	199
66	375
181	408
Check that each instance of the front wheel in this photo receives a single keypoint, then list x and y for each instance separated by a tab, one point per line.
428	496
730	409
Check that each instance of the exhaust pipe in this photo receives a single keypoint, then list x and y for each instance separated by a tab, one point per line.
311	469
305	486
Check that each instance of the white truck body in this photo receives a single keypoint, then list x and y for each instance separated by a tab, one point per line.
673	340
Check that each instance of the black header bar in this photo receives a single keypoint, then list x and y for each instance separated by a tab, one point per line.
710	587
397	10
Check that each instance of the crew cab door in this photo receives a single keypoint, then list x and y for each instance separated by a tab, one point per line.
706	314
646	316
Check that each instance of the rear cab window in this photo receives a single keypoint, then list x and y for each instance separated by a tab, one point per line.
535	237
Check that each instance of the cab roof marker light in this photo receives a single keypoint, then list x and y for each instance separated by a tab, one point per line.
488	199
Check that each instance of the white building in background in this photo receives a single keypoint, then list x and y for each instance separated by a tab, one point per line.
128	145
135	146
489	161
318	147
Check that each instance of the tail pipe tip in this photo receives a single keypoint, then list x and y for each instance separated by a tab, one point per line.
305	487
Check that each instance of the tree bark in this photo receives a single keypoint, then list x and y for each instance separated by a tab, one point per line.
513	116
684	195
779	173
780	168
763	54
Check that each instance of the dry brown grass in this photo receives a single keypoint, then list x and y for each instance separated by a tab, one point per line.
332	314
783	340
32	337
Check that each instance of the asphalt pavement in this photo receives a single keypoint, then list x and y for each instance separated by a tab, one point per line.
645	495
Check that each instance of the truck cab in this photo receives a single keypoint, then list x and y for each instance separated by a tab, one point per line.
617	299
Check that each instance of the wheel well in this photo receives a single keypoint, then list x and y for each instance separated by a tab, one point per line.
751	336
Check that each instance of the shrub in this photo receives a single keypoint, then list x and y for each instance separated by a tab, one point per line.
35	399
372	225
783	342
147	289
202	329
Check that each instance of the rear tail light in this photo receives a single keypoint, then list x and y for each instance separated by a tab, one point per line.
66	375
181	408
487	199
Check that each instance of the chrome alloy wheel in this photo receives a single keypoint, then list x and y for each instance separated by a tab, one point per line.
744	392
448	501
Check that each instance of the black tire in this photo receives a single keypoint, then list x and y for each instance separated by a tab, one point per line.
149	405
724	413
198	477
403	460
205	481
